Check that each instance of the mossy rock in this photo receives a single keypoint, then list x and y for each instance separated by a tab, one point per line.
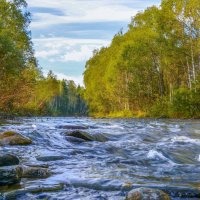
8	160
84	136
80	135
7	134
35	172
147	194
18	194
13	138
10	175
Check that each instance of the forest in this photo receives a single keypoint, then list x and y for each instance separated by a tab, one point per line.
153	69
63	141
23	88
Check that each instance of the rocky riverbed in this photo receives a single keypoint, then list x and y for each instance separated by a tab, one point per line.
88	159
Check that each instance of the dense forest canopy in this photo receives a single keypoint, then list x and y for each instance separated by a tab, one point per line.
151	70
23	88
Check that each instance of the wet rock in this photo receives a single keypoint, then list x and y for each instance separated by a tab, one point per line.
99	137
147	194
74	139
8	160
127	186
36	165
17	194
13	138
95	184
10	175
50	158
73	127
45	188
35	172
80	135
84	136
181	192
173	191
4	122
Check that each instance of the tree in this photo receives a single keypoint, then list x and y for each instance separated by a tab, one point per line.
144	69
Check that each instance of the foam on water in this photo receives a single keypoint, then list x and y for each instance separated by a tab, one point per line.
154	154
34	126
185	139
140	151
175	129
114	126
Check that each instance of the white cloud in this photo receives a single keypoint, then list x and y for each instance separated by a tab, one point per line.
83	54
60	41
46	53
102	14
80	11
77	79
60	76
58	51
67	49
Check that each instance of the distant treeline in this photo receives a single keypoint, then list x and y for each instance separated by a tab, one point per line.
151	70
23	88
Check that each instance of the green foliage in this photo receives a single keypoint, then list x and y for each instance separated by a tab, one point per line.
69	101
152	69
186	103
23	89
160	109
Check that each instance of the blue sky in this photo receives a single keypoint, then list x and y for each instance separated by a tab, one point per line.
65	32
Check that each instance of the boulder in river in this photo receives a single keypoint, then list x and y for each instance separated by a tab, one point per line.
147	194
36	189
50	158
35	172
73	127
10	175
13	138
8	160
84	136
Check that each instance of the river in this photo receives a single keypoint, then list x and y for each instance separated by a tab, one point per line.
158	153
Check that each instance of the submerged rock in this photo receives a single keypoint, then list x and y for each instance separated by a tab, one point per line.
18	194
147	194
80	135
50	158
10	175
6	122
36	165
13	138
35	172
73	127
84	136
8	160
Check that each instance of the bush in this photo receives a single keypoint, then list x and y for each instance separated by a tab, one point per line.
186	103
160	109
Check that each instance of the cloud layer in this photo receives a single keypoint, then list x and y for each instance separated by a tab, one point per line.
65	32
66	49
80	11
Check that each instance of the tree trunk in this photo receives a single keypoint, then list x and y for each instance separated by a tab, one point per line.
189	76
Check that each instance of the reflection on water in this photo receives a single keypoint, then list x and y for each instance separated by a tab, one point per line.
138	151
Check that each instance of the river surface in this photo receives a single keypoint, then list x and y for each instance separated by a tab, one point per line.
160	153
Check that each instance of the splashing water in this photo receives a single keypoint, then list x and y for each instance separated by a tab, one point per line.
138	151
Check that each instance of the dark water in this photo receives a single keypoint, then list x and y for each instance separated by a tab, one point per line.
158	153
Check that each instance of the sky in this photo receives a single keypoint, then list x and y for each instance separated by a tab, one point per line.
65	32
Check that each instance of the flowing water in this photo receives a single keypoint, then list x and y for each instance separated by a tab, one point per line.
156	153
